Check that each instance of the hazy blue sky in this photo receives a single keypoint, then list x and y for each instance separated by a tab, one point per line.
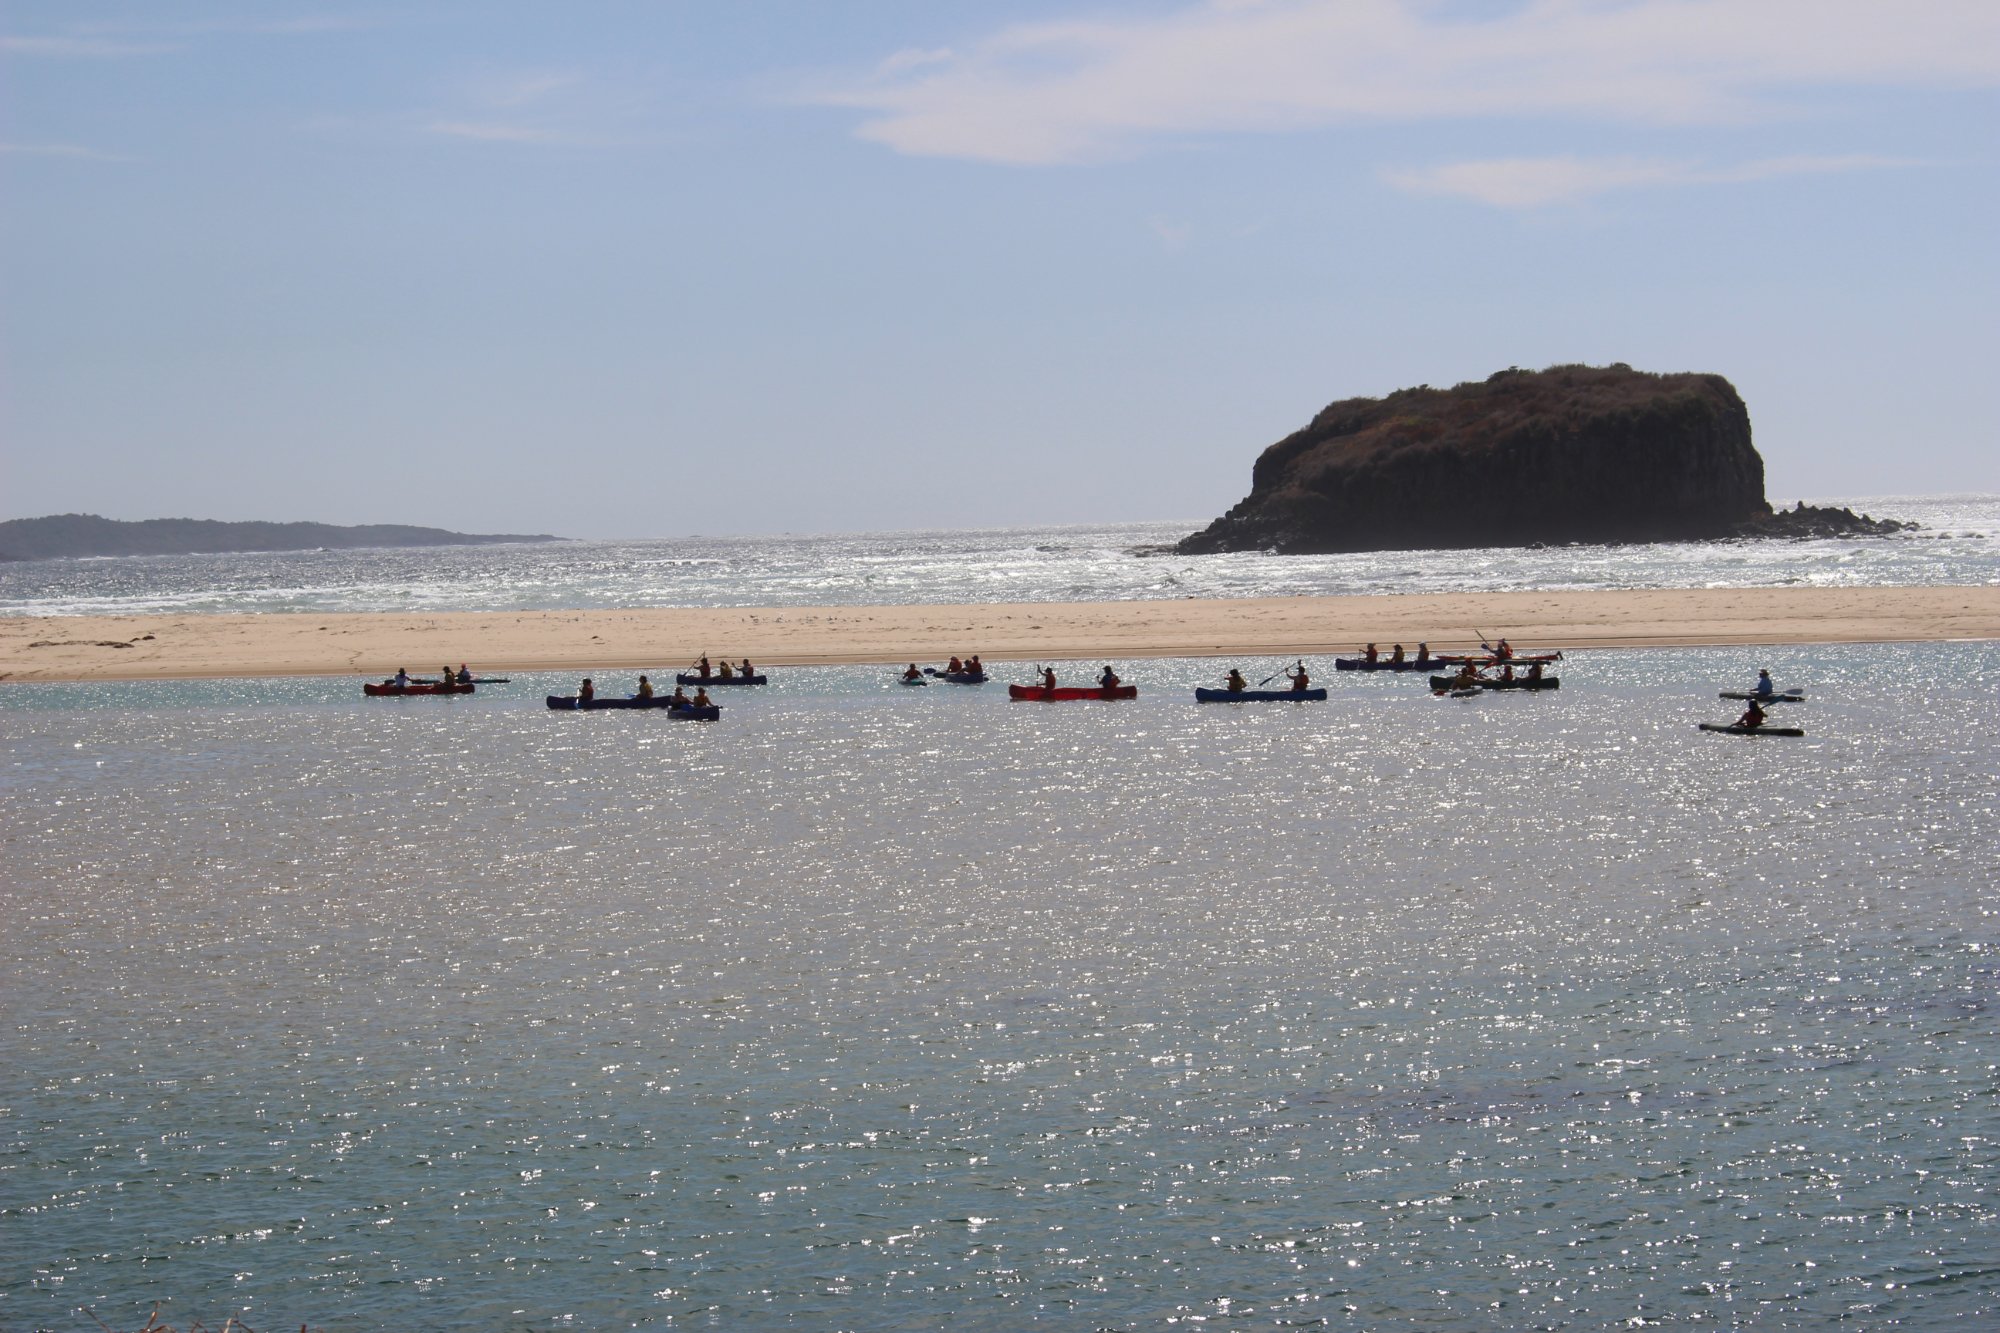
636	269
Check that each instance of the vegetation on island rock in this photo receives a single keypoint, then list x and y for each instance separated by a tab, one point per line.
1568	454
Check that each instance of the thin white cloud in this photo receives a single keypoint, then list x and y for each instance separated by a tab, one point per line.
1089	90
492	133
1538	182
61	150
79	48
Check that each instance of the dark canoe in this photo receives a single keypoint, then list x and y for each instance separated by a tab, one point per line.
687	711
375	691
1259	696
1518	683
962	677
1488	659
685	679
1764	698
1062	692
1732	729
1384	664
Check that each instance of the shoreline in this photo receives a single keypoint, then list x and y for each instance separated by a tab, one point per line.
209	646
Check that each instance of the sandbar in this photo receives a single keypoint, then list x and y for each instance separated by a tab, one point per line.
181	646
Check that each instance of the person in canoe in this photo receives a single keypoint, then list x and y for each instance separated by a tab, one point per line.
445	677
401	680
913	673
701	699
1423	654
746	669
725	671
1048	678
974	667
1506	670
1502	651
645	689
1468	676
1764	689
1534	671
464	675
1234	682
1396	655
1371	654
701	667
1300	680
1108	679
1753	717
586	691
679	698
954	666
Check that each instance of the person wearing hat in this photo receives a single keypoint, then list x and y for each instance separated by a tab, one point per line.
1764	688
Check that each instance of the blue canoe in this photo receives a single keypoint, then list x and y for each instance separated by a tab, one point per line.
1259	696
685	713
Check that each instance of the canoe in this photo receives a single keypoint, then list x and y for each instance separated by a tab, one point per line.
1258	696
1072	692
1787	698
1518	683
476	680
1731	729
1384	664
688	712
963	677
375	691
1488	659
685	679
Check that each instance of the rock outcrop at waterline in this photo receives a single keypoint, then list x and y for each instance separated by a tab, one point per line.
1567	454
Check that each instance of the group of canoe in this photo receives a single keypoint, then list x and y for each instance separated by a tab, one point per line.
461	681
959	671
1752	722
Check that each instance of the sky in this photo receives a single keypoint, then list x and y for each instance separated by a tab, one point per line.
679	267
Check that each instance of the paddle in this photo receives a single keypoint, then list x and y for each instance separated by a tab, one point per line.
1279	672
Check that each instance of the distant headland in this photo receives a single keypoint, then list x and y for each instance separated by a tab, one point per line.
1567	454
61	535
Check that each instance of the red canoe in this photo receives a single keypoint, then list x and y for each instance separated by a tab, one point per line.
375	691
1047	695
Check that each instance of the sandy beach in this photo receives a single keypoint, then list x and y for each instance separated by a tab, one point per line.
313	643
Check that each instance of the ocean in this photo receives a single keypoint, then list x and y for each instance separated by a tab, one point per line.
870	1007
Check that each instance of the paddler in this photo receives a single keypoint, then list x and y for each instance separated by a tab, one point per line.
913	673
1234	682
401	680
1299	678
1109	679
464	676
1423	654
727	670
1753	717
701	699
954	666
1396	655
746	669
701	667
1506	670
973	667
1764	688
679	698
1468	675
445	678
1048	678
586	691
1371	654
1502	650
645	689
1534	671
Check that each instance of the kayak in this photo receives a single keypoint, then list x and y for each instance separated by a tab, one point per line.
1732	729
1790	697
1258	696
685	679
1518	683
1047	695
907	680
374	691
963	677
1384	664
684	711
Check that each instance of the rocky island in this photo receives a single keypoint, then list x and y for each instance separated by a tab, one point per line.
1567	454
61	535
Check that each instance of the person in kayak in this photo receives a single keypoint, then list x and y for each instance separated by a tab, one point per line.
1109	679
913	673
1371	654
645	689
1753	717
1764	689
401	680
1234	682
586	691
1300	680
1396	655
973	666
1502	650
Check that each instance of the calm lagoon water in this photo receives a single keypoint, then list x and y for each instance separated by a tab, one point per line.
869	1007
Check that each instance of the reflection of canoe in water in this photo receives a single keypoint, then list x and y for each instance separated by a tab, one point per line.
685	679
1518	683
1731	729
685	712
1384	664
1258	696
1790	697
1061	692
375	691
